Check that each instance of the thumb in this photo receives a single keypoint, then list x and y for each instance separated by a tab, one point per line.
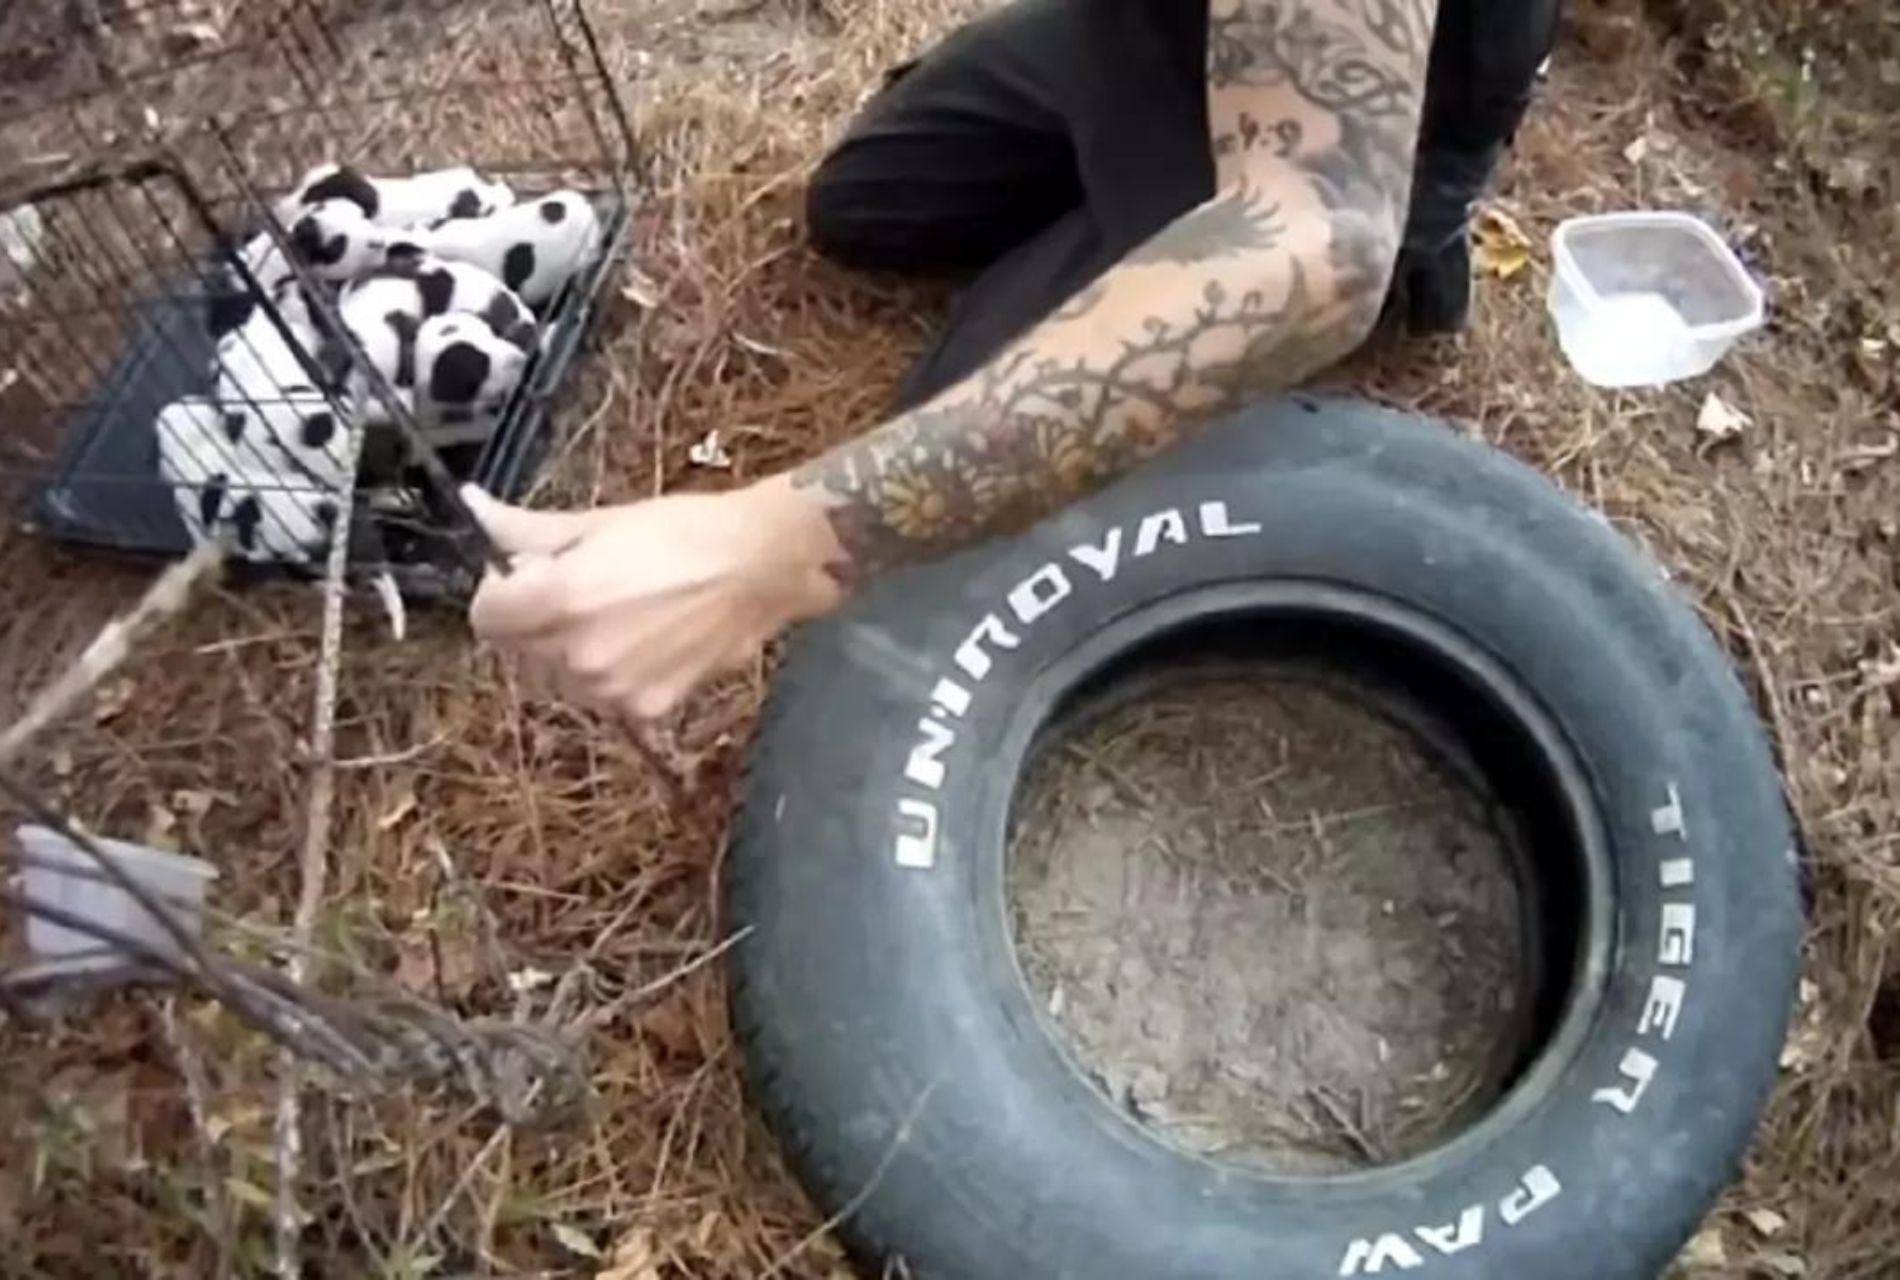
519	531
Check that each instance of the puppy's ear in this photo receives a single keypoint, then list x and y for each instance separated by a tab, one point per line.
346	184
310	245
404	257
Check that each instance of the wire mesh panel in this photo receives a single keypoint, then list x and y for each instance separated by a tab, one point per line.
218	271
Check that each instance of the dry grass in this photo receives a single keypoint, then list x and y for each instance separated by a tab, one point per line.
514	838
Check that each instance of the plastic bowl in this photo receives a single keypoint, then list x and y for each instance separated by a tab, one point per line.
1642	299
61	875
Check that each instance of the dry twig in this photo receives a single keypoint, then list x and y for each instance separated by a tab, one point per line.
313	865
165	597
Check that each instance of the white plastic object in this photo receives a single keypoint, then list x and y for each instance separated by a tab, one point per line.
1642	299
60	874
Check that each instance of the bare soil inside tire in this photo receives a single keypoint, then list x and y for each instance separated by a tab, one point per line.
1279	922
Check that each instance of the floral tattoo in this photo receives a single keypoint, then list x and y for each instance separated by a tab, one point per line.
1313	108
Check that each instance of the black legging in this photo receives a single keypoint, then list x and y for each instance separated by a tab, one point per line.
1040	143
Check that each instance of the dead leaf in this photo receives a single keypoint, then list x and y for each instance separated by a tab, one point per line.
640	289
1884	671
161	828
190	38
1706	1249
1720	420
250	1193
1769	1223
400	808
672	1025
194	804
758	348
1637	149
449	964
709	452
574	1240
1784	1264
1499	244
632	1258
528	979
1802	1048
1852	176
62	758
1862	456
113	698
415	964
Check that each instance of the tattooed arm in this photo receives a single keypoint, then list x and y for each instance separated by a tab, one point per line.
1314	109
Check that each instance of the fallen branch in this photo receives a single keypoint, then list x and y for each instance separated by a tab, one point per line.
110	648
313	864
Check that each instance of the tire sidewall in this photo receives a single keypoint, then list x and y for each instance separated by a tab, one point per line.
891	1039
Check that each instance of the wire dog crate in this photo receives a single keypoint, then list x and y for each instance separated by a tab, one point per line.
192	338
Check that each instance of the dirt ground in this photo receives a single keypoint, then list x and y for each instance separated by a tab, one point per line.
502	841
1272	921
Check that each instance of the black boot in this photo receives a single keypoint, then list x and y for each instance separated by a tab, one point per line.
1431	292
1431	286
1484	64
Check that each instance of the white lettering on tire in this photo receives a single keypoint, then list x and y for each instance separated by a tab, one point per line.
1370	1255
1105	559
1040	592
931	757
1466	1233
1666	820
1675	949
973	657
1214	522
916	834
1162	525
1638	1070
1663	1007
925	766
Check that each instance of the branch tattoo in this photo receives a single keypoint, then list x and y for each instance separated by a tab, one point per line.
1314	109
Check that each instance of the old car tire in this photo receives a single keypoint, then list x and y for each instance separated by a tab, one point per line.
888	1036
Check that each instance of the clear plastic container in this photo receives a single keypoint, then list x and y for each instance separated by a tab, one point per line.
1642	299
60	874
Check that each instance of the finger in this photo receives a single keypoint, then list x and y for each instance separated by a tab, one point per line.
518	530
555	682
520	604
666	693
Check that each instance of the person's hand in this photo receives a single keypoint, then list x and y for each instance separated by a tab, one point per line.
630	608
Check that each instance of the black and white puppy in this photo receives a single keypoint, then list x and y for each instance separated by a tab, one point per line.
534	248
416	200
465	375
225	482
383	314
304	434
447	287
257	364
332	240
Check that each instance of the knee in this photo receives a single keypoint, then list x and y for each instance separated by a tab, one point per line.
833	218
859	220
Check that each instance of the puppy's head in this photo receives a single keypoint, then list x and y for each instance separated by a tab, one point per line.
336	240
466	364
